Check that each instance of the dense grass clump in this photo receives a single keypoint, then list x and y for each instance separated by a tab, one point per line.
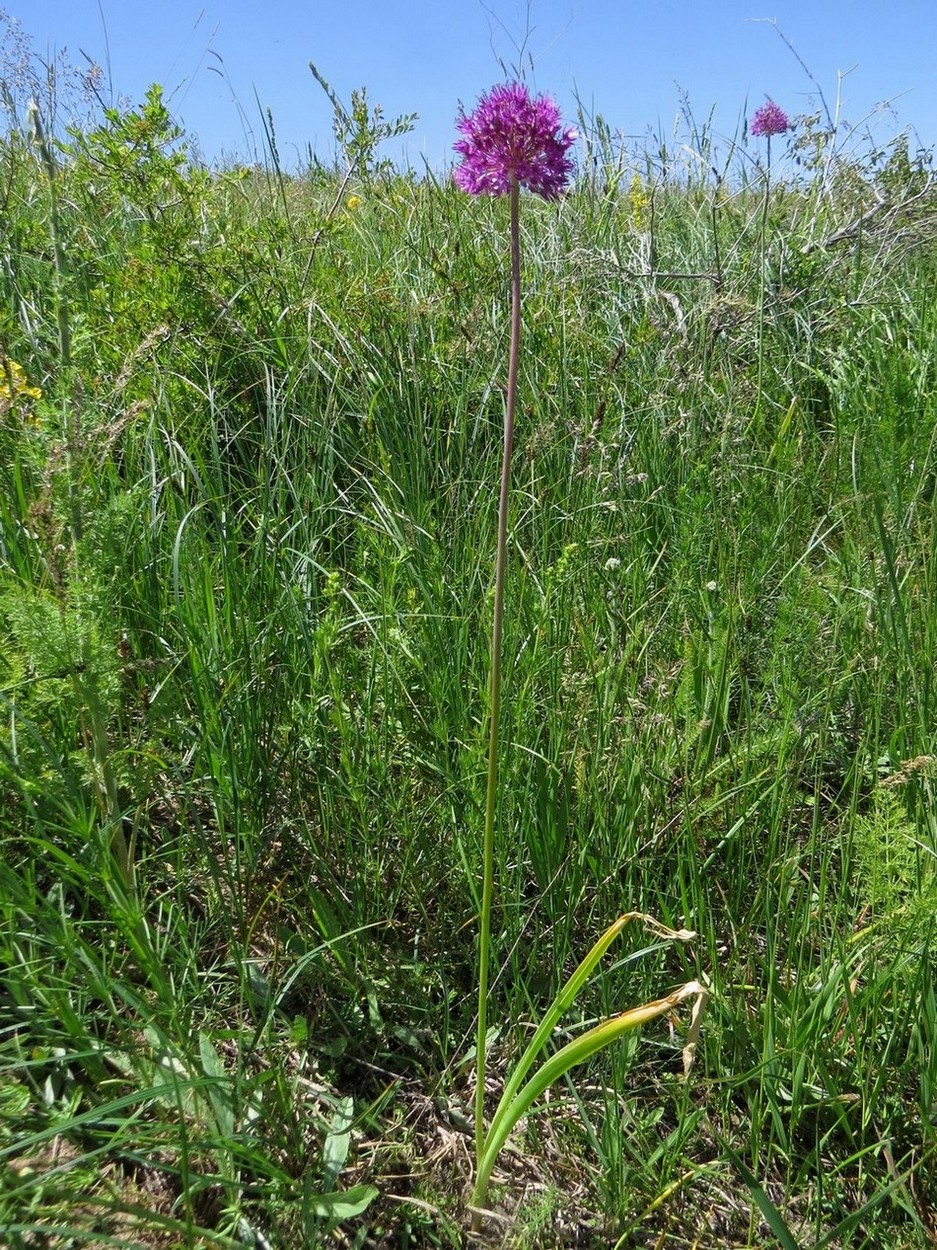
249	448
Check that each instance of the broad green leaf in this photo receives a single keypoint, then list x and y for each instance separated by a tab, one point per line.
344	1205
338	1140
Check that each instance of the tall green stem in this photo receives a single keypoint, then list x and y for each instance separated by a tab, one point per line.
761	302
488	848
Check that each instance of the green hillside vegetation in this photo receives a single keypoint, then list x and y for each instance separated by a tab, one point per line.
250	439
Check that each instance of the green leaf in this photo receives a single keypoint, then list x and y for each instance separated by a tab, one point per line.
344	1205
566	996
338	1140
219	1094
557	1065
773	1216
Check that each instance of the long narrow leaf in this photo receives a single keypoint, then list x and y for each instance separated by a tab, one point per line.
558	1065
773	1216
566	996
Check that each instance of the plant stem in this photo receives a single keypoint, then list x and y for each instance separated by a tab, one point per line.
761	301
488	848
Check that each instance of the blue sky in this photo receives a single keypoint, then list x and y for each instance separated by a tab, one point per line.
630	61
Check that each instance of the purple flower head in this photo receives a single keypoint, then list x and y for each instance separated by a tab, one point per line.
509	133
769	120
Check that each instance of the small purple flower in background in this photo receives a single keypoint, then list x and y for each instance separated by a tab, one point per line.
769	120
511	134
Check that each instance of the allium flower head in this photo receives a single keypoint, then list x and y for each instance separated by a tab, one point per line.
509	133
769	120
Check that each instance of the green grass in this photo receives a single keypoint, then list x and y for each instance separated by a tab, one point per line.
260	659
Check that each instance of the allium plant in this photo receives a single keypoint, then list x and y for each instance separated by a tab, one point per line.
511	141
766	121
769	120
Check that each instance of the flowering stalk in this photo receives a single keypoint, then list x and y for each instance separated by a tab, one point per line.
766	121
512	141
491	791
508	140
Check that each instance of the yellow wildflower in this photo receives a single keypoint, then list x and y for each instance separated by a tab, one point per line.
352	202
14	384
640	202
